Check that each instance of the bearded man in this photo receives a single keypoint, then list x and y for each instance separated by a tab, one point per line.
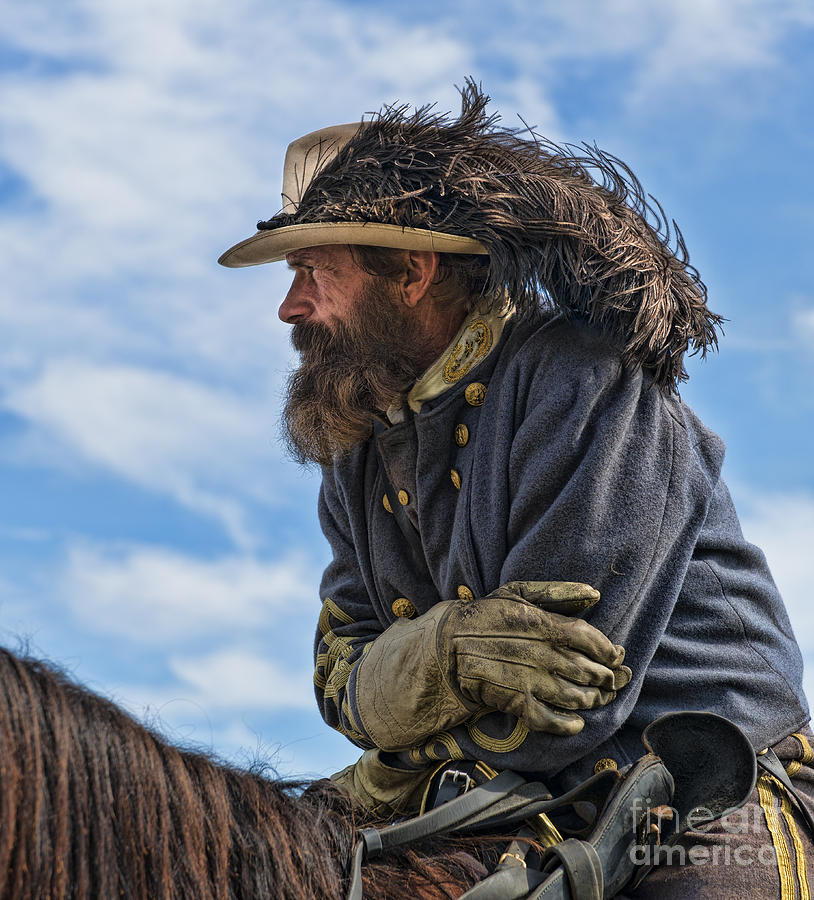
492	331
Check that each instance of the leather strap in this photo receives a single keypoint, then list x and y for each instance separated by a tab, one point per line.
451	782
770	763
372	841
512	879
573	868
507	884
534	798
583	868
453	814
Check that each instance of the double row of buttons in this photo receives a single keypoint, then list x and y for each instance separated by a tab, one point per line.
474	395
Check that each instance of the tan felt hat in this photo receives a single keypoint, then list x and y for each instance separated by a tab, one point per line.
305	158
561	227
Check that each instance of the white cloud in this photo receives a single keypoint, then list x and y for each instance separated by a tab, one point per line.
24	535
693	44
236	677
228	643
244	733
182	110
202	446
782	525
214	653
148	136
159	597
803	324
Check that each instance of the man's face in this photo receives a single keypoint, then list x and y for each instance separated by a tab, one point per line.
360	348
326	283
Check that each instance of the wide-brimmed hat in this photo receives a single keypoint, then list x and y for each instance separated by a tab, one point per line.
304	159
561	226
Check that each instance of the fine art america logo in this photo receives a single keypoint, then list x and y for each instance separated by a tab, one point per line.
718	849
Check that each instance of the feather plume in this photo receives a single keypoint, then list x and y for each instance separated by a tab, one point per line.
566	226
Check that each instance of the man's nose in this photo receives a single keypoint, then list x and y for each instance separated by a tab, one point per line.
296	307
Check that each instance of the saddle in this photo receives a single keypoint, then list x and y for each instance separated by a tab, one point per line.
603	835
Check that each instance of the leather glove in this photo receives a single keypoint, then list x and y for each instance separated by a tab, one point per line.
508	651
384	789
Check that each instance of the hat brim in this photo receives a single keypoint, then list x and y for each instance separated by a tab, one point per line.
273	245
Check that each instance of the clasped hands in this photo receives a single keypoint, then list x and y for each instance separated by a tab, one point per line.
521	649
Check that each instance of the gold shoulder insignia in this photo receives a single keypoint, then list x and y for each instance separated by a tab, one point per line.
473	346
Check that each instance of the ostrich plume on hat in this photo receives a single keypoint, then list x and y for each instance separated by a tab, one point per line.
563	226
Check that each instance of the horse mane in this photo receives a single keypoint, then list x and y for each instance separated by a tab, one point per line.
93	804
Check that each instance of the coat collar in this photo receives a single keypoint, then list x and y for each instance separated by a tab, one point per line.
475	340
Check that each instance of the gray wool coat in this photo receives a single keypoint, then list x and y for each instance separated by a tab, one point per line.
573	469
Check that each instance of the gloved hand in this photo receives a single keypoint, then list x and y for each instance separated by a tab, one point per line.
524	659
384	789
507	651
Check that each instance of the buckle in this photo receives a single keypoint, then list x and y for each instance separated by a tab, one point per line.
448	782
456	776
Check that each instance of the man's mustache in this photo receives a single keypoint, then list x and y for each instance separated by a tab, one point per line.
307	336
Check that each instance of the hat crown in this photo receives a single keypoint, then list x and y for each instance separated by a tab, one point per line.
307	156
563	226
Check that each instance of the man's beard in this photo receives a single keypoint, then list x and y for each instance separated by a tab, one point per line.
361	366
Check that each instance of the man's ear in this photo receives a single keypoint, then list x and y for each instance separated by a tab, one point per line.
422	267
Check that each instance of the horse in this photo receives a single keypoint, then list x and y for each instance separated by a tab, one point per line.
95	805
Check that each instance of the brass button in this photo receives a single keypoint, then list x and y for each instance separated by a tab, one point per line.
403	608
404	498
475	393
386	503
456	478
605	763
464	593
461	435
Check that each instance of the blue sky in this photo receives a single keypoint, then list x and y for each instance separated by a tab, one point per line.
154	539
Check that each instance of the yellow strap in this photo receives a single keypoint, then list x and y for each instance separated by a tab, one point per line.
799	853
808	753
486	769
767	791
